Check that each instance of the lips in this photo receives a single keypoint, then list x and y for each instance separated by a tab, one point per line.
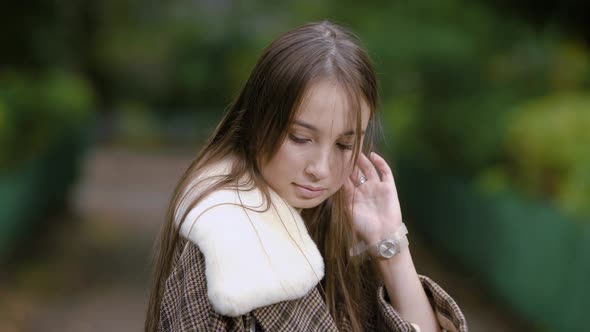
309	191
312	188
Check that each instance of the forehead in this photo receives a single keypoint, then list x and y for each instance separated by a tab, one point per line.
327	106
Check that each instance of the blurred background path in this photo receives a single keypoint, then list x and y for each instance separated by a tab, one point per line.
88	269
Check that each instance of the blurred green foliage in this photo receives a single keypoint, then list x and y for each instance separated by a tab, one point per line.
548	144
470	95
36	111
460	81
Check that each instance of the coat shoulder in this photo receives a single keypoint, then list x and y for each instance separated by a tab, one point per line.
255	254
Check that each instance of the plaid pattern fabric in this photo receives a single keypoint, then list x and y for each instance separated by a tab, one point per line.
447	311
185	306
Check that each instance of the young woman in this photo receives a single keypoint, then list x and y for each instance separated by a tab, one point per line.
283	222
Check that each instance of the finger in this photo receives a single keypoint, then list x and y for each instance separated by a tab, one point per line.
367	168
355	175
382	166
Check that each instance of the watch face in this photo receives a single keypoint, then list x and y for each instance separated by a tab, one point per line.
388	248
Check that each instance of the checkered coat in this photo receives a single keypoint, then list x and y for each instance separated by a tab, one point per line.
245	264
185	306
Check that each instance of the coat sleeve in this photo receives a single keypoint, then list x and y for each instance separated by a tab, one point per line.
185	305
448	313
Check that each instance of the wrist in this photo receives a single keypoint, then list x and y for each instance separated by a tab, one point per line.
384	246
383	233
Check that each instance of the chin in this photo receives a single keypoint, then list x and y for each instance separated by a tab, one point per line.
306	203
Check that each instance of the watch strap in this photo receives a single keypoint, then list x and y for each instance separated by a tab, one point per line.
399	235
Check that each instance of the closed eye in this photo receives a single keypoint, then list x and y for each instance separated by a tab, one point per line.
298	140
343	146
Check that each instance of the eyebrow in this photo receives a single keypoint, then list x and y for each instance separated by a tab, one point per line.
314	128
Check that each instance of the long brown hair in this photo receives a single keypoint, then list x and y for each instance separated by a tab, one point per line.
252	131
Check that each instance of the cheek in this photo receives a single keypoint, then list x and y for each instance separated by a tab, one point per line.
346	164
290	159
342	171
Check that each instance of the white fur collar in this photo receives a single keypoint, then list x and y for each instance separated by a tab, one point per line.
252	258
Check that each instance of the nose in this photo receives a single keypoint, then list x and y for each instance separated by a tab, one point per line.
319	165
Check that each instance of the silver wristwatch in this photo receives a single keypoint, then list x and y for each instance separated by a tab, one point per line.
386	248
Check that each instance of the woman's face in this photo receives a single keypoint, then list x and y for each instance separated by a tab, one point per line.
316	156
